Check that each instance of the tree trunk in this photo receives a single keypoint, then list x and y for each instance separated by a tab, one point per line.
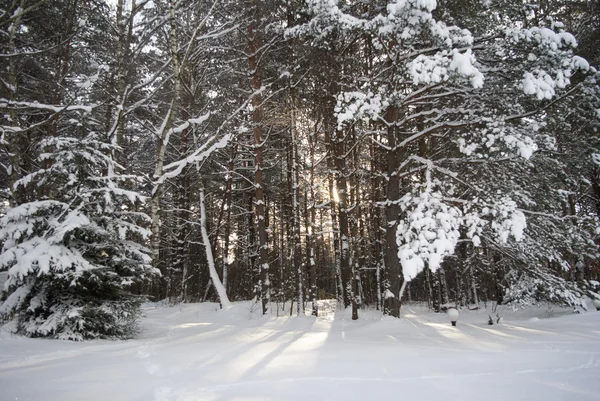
428	286
163	134
228	196
310	225
392	213
340	290
13	138
475	297
254	51
296	244
443	286
376	248
214	276
338	143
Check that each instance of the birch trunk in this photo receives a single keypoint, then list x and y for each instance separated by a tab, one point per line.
214	276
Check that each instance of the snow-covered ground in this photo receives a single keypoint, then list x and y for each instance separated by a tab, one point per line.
197	352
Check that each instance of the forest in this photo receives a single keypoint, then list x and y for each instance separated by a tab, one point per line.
375	152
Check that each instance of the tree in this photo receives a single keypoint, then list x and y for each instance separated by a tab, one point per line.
73	255
73	239
427	88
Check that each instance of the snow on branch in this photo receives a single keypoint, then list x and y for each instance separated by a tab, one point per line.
352	106
551	60
441	66
498	136
49	107
432	223
429	232
202	153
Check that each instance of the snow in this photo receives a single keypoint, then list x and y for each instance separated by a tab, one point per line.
513	222
430	232
552	45
428	69
453	314
197	352
200	120
199	155
581	63
542	85
355	105
48	107
462	63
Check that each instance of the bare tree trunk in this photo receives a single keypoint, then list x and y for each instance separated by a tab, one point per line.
163	134
228	200
63	61
310	254
437	298
356	232
116	133
444	286
378	281
297	245
340	290
214	276
342	206
374	237
295	185
254	47
392	262
310	225
13	137
375	224
428	286
474	287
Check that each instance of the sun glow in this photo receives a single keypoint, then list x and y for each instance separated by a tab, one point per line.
336	197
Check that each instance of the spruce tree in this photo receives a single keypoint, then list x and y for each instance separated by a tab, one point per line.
73	253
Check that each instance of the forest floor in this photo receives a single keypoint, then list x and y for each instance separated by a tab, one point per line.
196	352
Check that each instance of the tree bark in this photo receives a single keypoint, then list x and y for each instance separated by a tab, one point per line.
340	290
342	210
254	46
310	224
13	137
296	223
392	213
163	134
209	256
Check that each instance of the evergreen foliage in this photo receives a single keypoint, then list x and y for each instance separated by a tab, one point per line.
74	254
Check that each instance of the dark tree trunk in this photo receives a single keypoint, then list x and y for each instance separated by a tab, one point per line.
257	125
393	268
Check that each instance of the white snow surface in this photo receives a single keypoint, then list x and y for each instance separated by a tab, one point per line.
197	352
